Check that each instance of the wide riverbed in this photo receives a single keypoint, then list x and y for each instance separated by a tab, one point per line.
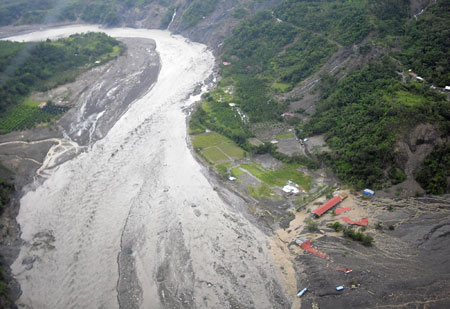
134	222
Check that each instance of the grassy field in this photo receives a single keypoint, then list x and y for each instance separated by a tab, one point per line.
281	87
409	99
214	155
220	151
233	151
279	177
204	141
286	135
236	172
262	191
223	169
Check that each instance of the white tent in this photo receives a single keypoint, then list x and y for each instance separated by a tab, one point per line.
291	189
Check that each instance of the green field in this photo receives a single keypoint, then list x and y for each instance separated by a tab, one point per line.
279	177
286	135
237	172
233	151
262	191
410	99
208	140
204	141
25	116
282	87
223	169
214	155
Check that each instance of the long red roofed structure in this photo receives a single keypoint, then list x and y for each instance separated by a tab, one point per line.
327	206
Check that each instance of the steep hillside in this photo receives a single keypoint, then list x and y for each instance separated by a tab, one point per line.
294	57
206	21
351	62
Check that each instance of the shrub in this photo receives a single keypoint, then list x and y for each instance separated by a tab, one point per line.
367	240
337	226
312	226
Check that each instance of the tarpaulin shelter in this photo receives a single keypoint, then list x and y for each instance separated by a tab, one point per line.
327	206
363	221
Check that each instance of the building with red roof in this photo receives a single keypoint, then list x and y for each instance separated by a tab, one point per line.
327	206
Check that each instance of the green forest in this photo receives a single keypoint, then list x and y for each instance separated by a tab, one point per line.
197	10
365	114
427	45
361	115
27	67
46	11
435	172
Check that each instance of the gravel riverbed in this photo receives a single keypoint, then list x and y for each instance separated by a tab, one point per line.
132	220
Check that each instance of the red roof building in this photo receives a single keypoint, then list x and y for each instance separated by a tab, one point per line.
327	206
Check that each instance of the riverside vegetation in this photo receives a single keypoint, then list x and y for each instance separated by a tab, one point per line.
361	115
27	67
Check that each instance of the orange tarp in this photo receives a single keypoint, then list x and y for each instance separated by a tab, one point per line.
363	221
343	269
307	246
339	211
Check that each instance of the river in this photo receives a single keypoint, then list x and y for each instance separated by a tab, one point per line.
134	221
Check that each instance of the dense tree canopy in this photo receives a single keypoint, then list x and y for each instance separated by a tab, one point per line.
427	44
25	67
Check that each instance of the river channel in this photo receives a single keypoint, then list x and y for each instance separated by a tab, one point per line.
134	221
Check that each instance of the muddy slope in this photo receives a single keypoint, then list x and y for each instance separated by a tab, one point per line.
406	267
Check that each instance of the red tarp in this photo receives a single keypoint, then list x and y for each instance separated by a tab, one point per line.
363	221
343	269
307	246
325	207
339	211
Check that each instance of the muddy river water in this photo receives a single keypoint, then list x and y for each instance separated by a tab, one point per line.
133	221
